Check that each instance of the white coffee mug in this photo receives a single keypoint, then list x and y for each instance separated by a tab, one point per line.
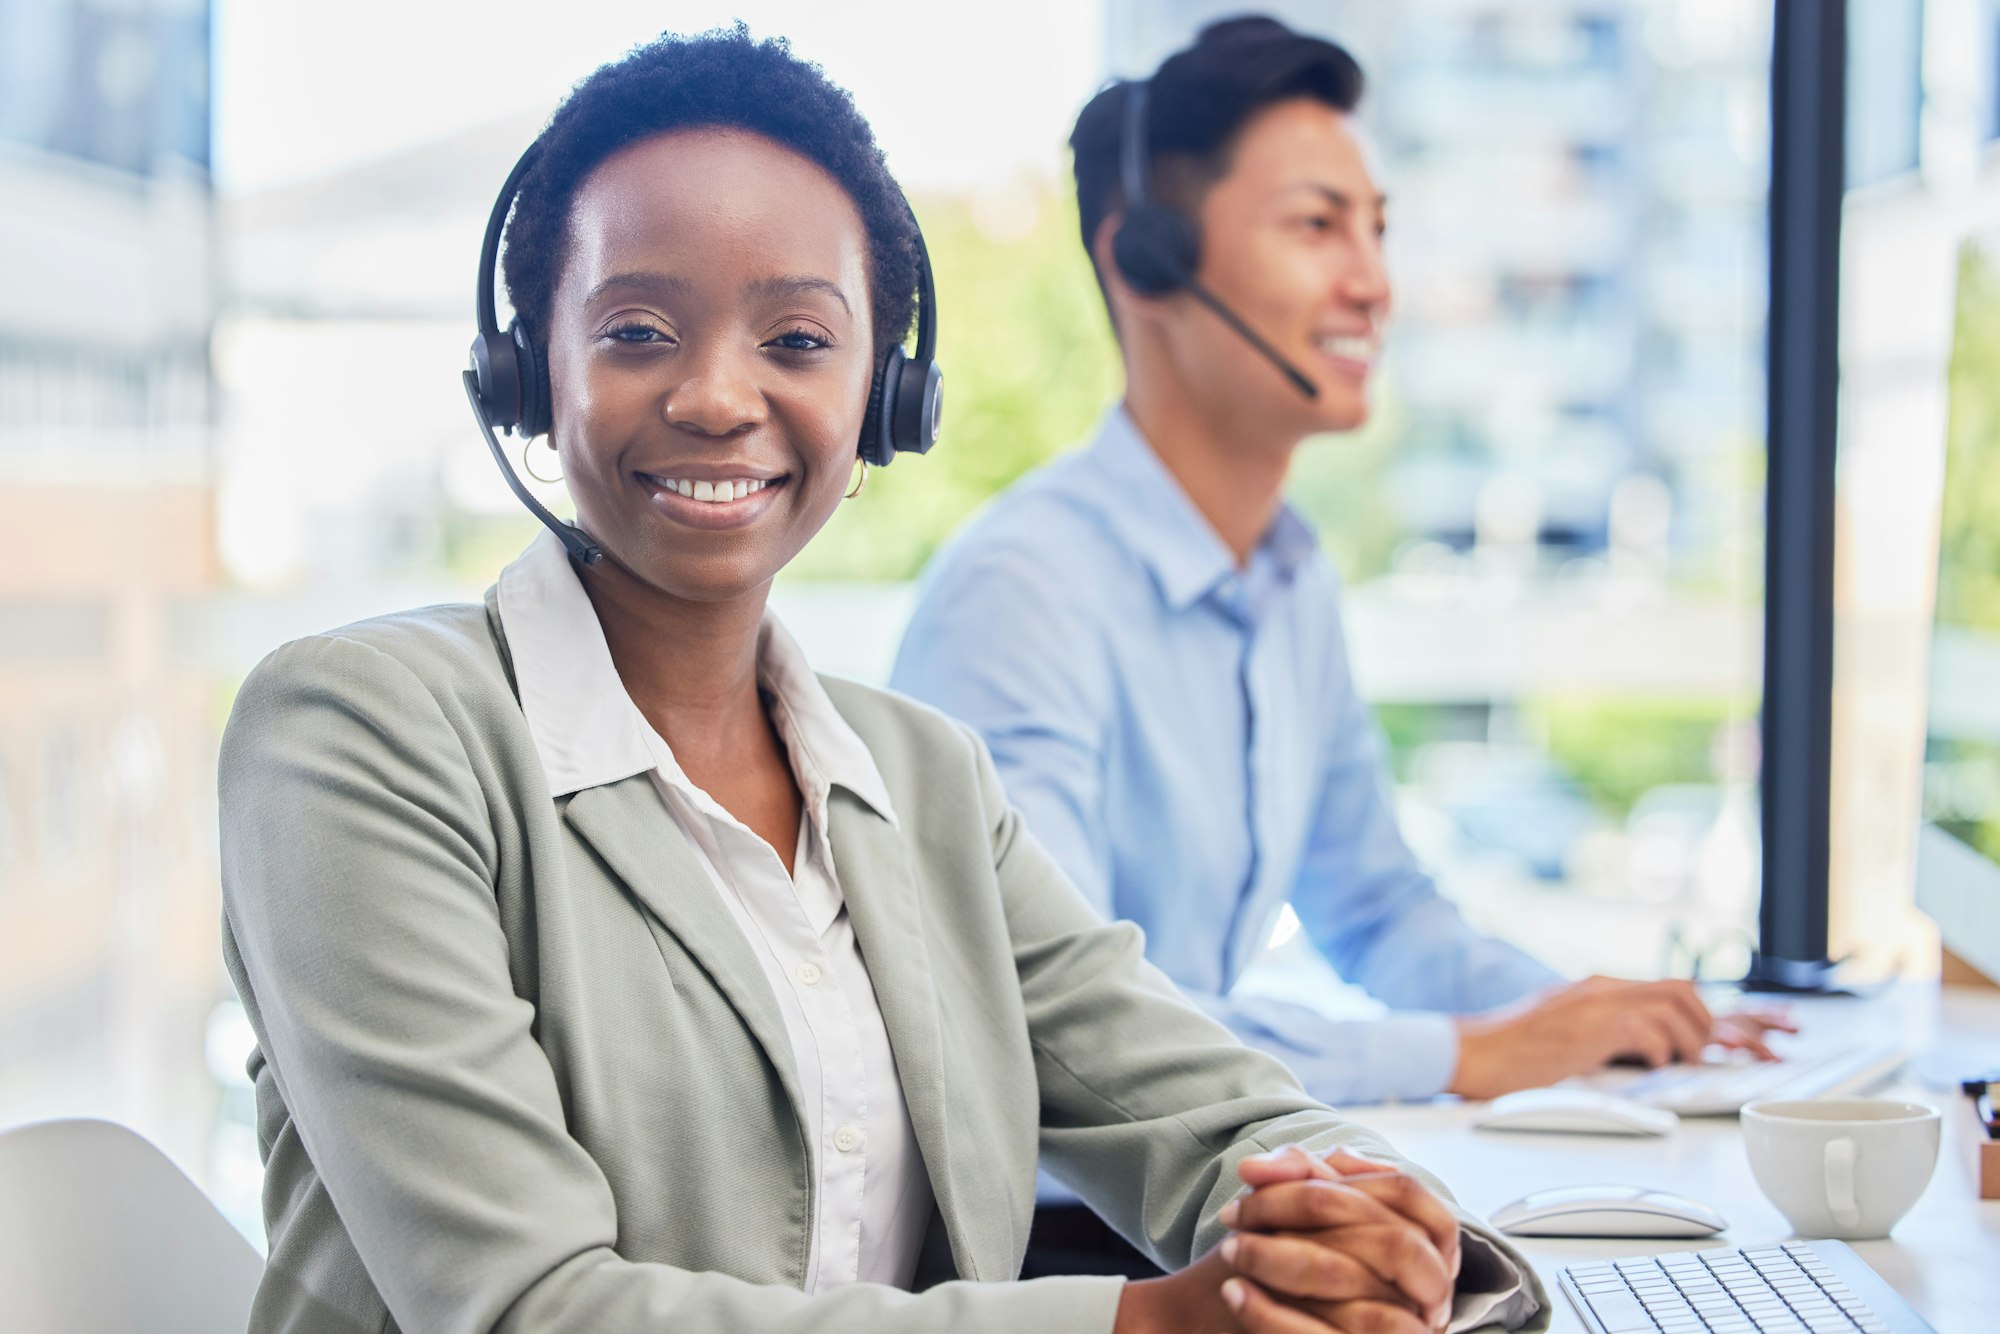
1842	1167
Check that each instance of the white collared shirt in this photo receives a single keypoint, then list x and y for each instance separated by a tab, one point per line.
874	1197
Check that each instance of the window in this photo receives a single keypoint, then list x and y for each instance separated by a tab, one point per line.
1556	610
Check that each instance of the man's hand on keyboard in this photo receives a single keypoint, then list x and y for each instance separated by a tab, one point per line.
1586	1025
1744	1030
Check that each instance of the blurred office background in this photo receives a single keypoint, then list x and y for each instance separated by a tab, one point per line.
236	267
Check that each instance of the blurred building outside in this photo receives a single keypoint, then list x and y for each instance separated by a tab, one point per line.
108	705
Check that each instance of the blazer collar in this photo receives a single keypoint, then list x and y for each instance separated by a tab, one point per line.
625	824
880	880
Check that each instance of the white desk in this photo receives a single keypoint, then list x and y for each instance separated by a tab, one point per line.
1944	1257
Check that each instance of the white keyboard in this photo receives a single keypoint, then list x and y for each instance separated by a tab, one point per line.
1801	1287
1816	1071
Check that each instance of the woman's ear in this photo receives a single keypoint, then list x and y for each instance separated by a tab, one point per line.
1106	262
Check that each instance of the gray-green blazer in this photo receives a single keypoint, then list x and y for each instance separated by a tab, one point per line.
518	1069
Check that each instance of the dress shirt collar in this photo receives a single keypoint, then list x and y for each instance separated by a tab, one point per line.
589	732
1158	522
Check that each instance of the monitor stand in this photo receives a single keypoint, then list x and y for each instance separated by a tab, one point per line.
1793	977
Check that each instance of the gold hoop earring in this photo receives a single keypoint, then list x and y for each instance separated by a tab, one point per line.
860	481
529	468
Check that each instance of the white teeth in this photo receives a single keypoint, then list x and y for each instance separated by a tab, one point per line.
1355	347
715	493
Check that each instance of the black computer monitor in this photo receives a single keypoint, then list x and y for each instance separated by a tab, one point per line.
1958	858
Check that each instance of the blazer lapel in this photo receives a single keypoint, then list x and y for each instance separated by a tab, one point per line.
626	825
879	885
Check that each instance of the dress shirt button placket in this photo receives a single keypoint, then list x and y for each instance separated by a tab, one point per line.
1239	946
823	996
845	1109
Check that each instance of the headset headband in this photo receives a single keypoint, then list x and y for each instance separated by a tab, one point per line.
487	312
1132	161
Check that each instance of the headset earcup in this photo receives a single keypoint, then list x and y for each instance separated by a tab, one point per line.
494	365
877	445
913	421
534	381
1156	249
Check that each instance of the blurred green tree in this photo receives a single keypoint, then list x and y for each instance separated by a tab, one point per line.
1962	771
1969	587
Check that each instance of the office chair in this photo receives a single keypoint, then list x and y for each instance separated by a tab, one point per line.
101	1234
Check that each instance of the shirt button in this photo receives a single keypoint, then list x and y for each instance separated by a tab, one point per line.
808	974
847	1139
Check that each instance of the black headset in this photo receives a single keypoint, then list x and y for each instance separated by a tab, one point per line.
1158	249
508	381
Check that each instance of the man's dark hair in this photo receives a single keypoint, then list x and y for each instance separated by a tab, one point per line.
723	79
1199	100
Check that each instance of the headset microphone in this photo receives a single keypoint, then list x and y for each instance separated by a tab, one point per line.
1250	336
1158	248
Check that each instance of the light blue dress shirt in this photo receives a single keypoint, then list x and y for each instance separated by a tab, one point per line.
1186	739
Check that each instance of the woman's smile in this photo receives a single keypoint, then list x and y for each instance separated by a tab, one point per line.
712	499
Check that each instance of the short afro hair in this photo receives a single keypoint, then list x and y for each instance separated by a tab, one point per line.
721	78
1200	98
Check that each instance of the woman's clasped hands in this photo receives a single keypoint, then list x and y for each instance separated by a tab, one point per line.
1334	1243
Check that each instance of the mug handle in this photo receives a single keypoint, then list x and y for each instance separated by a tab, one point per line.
1840	1183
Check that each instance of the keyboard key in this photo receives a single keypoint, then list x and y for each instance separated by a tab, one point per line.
1621	1314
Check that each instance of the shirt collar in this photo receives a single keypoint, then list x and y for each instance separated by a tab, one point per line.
1157	521
588	731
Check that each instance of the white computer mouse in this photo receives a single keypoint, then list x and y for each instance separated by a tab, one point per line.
1575	1112
1607	1211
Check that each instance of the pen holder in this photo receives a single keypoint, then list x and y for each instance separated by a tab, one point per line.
1984	1149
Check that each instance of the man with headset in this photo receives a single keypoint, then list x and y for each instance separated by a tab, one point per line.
1149	639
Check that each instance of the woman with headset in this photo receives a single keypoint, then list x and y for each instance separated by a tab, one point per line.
610	970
